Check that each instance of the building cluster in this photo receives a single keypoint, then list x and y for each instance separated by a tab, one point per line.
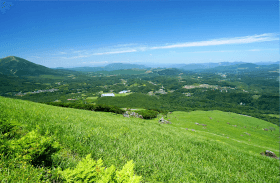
38	91
112	94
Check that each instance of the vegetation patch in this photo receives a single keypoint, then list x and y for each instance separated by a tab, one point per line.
89	170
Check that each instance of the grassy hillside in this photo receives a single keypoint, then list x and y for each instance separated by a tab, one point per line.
161	152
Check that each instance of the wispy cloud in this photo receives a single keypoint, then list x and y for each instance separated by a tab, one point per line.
255	50
60	53
124	45
79	51
35	57
224	41
115	52
133	47
224	51
100	53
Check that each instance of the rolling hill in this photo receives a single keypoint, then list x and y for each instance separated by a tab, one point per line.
177	152
244	68
16	66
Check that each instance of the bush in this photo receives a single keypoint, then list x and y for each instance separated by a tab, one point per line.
9	129
107	108
34	148
148	114
89	170
99	107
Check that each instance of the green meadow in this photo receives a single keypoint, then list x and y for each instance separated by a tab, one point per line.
178	152
122	94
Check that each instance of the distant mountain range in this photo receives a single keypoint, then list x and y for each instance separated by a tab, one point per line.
204	66
15	66
109	67
273	69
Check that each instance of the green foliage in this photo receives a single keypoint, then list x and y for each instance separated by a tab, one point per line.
89	170
99	107
8	128
107	108
35	148
148	114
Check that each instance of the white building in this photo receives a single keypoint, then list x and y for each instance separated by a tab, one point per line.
124	91
108	95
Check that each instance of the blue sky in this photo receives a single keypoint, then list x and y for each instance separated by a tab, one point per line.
95	33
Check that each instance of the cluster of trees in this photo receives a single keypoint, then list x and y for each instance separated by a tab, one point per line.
148	114
99	107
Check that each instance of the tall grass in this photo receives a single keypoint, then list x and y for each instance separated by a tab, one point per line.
161	152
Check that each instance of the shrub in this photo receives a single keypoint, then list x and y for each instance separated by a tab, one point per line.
35	148
148	114
107	108
9	129
89	170
99	107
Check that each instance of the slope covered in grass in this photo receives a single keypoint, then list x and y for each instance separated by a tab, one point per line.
161	152
234	129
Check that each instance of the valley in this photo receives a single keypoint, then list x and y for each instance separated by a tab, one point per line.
218	124
139	92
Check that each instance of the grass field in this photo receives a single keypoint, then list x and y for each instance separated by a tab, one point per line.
161	152
91	98
122	94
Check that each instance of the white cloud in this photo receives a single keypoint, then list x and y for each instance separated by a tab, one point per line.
124	45
255	50
224	41
60	53
79	51
115	52
130	48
